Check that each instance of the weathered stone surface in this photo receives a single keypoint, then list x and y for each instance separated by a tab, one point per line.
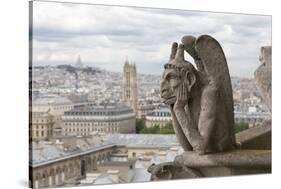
234	159
201	104
192	165
200	99
255	137
263	75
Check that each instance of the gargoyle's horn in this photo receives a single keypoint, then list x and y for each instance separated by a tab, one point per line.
173	50
180	52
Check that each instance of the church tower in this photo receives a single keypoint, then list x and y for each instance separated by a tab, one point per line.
129	86
79	63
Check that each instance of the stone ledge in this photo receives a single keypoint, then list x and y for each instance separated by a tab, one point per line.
233	159
192	165
256	137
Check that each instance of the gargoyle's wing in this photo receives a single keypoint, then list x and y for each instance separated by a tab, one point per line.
216	70
212	59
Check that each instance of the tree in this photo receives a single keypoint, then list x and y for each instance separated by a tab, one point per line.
140	125
240	127
151	130
167	129
156	129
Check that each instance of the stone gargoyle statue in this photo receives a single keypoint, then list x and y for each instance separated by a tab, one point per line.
200	100
201	103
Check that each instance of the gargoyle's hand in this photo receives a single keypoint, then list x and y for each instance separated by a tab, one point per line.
181	90
182	96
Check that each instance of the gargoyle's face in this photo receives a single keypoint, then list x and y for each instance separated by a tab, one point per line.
169	83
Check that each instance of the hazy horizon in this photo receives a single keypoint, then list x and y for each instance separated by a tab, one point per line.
105	35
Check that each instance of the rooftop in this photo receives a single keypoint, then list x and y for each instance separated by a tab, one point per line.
51	100
143	140
100	110
48	152
162	112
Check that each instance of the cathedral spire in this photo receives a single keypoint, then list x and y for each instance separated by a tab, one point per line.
79	63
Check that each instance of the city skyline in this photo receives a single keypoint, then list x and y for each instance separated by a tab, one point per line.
105	35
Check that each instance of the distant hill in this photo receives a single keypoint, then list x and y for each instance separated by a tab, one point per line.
72	69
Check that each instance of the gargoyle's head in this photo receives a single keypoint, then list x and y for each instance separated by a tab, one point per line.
178	78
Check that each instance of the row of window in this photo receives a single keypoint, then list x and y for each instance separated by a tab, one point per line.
99	113
111	119
161	114
90	124
38	134
247	120
42	126
87	130
63	107
41	120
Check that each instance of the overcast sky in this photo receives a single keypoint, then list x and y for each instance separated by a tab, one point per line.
105	35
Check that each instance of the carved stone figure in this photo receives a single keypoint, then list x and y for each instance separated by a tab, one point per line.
201	103
263	75
200	100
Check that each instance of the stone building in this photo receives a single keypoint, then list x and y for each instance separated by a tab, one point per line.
144	109
41	126
104	119
159	117
252	118
53	166
56	106
114	158
129	86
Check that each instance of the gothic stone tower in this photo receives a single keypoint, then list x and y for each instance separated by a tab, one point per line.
129	86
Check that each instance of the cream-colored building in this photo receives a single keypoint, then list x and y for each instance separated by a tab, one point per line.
109	159
88	120
158	117
53	166
56	106
41	126
144	110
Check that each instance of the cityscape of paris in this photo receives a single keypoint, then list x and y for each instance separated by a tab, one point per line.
96	114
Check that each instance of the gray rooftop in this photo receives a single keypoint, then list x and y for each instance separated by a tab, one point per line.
51	100
105	179
162	112
100	110
143	140
48	152
141	175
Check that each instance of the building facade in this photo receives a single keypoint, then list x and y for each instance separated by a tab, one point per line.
144	110
56	106
119	156
252	118
104	119
69	169
159	117
129	86
41	126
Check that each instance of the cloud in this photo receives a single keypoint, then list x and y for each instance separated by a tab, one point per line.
105	35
